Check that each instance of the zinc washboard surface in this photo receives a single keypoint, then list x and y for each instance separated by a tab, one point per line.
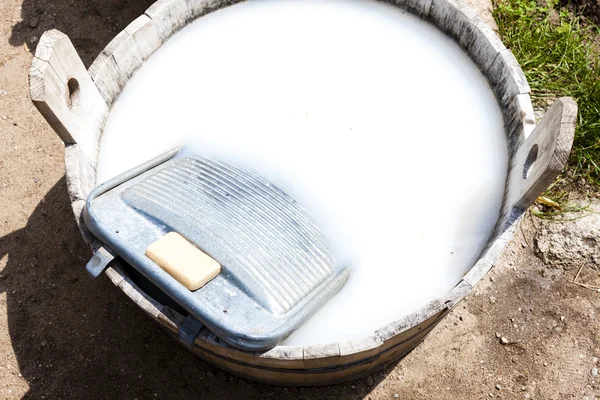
76	103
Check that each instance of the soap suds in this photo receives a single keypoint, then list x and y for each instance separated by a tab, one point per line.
374	120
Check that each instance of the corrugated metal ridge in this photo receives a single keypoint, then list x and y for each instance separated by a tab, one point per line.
263	233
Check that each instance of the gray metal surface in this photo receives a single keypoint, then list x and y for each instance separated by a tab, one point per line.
99	262
277	270
190	328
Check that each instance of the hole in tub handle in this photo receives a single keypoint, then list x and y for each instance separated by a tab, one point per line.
530	161
73	92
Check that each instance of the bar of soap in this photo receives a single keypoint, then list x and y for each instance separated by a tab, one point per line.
183	261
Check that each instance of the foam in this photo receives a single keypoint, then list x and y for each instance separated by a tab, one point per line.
371	118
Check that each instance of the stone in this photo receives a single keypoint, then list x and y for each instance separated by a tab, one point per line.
568	243
594	372
504	340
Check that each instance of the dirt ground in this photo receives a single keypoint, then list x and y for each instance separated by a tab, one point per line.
64	335
588	8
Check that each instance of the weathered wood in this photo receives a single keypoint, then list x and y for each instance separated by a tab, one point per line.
401	349
145	35
290	357
145	302
286	357
169	16
512	91
77	205
401	330
107	76
80	181
115	274
420	8
519	122
355	350
321	355
211	342
123	56
485	45
49	93
519	119
170	319
65	95
354	371
199	8
508	83
458	293
507	76
293	357
453	18
81	174
126	54
462	24
63	91
271	376
545	152
291	377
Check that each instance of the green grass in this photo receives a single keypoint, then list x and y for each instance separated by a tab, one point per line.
558	57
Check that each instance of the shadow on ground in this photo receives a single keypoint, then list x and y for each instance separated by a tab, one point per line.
79	338
90	24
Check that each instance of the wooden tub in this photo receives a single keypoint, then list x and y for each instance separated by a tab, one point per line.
76	103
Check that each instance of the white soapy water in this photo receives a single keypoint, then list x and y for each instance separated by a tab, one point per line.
371	118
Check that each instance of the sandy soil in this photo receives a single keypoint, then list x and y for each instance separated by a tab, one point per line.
63	335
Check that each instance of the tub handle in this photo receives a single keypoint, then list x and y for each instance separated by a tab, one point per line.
189	330
63	91
544	152
100	261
